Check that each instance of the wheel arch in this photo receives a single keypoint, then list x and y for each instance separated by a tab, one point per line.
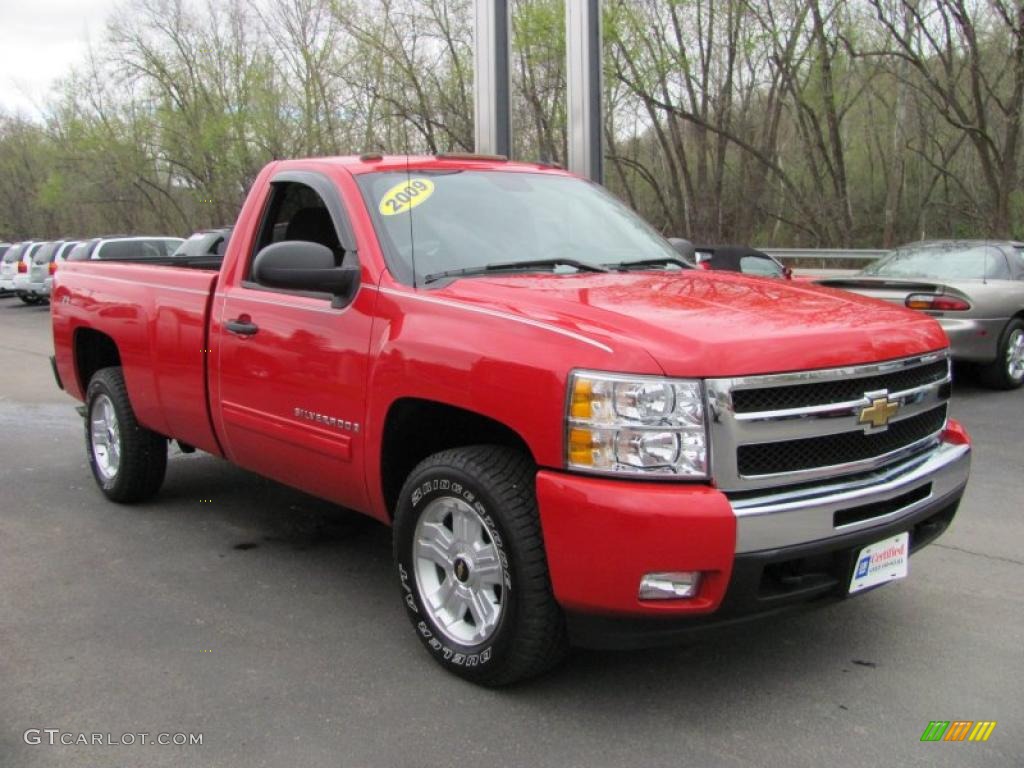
416	428
93	350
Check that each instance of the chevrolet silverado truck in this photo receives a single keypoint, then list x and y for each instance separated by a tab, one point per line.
576	437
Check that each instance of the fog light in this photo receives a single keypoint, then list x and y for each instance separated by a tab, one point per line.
669	586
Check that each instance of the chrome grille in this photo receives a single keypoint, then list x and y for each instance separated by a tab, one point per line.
838	391
831	450
775	430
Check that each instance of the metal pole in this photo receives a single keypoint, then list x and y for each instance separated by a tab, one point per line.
491	84
583	72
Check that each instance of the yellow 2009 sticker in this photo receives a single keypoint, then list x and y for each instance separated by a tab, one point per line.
405	196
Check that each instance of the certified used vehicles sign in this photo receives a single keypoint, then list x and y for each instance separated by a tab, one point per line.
881	562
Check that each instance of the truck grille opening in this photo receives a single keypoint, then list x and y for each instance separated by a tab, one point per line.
833	450
837	391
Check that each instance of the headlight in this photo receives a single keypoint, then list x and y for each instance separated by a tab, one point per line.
639	425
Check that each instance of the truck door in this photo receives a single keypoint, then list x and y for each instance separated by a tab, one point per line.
288	384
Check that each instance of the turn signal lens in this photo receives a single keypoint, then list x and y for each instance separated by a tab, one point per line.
53	267
936	302
582	394
581	447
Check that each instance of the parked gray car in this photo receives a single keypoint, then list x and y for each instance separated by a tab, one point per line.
974	288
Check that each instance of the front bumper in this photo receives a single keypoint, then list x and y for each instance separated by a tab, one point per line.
757	555
972	339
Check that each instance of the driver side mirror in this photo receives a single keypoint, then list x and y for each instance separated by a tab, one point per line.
684	248
301	265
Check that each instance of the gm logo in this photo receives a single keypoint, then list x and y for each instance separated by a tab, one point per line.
958	730
862	567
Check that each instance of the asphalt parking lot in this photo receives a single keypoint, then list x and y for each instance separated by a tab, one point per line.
269	622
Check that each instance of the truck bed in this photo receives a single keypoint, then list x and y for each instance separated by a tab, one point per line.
158	314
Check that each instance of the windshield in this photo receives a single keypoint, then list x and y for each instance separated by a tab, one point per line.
14	254
469	219
950	261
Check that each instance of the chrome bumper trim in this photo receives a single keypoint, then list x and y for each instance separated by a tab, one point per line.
787	517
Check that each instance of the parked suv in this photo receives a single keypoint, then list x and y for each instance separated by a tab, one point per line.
121	248
43	265
4	248
14	271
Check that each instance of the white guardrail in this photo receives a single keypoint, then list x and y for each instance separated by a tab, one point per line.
825	262
824	254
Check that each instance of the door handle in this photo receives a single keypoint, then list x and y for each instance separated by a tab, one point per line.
241	326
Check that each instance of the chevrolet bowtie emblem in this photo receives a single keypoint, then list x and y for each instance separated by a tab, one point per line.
878	413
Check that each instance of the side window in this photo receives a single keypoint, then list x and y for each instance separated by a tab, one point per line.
296	212
79	253
1018	255
758	265
996	267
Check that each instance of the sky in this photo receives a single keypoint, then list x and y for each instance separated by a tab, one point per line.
39	41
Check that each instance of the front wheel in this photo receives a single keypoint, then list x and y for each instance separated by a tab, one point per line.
1007	370
127	460
472	567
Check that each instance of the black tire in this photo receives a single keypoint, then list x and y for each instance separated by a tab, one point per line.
997	374
143	453
29	298
529	637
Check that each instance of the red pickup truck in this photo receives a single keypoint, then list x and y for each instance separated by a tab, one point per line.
576	437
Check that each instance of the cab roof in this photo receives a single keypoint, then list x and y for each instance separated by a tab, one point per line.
372	162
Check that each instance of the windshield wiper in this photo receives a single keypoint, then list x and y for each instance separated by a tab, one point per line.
514	266
661	260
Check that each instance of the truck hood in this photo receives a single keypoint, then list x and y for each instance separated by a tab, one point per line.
705	324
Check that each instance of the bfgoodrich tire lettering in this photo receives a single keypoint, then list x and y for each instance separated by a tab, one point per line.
492	487
137	471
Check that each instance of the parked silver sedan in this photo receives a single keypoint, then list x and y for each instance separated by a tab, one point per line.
974	288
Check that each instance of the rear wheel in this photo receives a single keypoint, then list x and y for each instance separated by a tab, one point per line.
30	298
127	460
472	566
1007	370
